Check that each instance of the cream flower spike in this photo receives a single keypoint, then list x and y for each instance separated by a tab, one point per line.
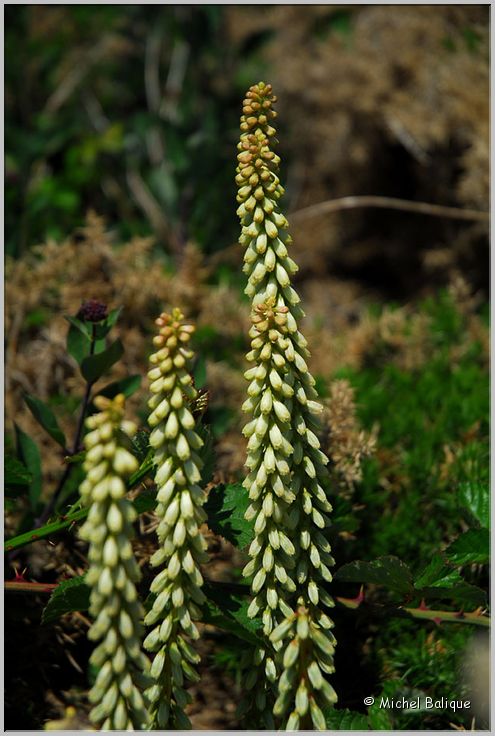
182	547
290	555
113	572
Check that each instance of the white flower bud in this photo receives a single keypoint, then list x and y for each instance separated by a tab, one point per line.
281	574
166	492
272	598
270	260
302	702
313	593
281	631
282	275
270	670
269	460
271	229
249	568
110	553
183	449
261	426
286	544
179	533
258	581
177	597
253	608
266	402
276	437
171	427
268	560
281	411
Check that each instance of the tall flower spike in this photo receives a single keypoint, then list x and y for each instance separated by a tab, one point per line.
182	548
113	572
290	555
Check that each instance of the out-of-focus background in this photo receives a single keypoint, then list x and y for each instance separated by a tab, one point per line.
121	130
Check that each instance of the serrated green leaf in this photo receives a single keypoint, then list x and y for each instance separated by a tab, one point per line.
389	571
471	547
461	593
94	366
441	580
69	595
15	473
16	477
475	497
228	611
345	720
379	718
44	416
126	386
225	507
29	454
437	574
146	501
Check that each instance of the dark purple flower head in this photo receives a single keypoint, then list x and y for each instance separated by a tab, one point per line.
92	310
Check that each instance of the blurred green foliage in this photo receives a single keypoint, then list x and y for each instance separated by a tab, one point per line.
433	444
433	436
122	109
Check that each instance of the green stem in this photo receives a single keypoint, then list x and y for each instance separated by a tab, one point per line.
457	617
143	502
75	447
27	587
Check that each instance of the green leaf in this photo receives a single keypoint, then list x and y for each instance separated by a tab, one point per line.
471	547
146	501
228	611
16	477
379	718
44	415
345	720
103	328
113	316
15	473
389	571
438	574
69	595
83	327
475	497
126	386
441	580
226	506
29	454
94	366
78	339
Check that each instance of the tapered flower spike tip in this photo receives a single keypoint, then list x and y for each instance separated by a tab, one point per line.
290	554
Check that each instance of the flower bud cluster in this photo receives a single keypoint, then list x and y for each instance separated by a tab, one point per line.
113	572
177	587
290	555
303	689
